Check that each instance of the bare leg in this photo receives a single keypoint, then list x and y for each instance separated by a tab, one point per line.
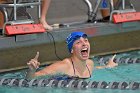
45	6
1	14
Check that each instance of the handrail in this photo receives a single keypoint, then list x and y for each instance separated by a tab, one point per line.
19	5
14	5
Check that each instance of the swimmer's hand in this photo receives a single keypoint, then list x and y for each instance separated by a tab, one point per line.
111	63
33	63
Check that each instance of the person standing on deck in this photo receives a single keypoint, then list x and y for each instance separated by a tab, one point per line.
44	10
78	65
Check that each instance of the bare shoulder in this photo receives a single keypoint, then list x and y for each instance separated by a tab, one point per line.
64	63
90	62
57	67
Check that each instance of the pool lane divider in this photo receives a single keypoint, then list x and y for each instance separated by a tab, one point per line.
128	60
70	83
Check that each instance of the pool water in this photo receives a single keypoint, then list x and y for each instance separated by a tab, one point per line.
124	72
59	90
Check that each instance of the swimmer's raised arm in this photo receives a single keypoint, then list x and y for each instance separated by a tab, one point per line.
110	64
33	64
57	67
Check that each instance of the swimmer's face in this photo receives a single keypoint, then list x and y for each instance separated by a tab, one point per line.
81	48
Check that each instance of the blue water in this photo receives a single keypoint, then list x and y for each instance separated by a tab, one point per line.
124	72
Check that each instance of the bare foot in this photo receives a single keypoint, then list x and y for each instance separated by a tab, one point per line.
45	25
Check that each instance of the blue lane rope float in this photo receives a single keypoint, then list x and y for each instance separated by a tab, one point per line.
72	83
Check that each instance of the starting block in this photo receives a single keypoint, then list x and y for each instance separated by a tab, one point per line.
24	29
126	17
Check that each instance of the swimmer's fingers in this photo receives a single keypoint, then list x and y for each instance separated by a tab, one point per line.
113	57
30	66
37	56
33	64
38	63
111	63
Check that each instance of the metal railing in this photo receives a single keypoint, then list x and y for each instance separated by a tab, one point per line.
92	12
16	4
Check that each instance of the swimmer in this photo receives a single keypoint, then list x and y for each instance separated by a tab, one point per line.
77	65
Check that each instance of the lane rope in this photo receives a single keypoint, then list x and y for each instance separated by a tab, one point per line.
127	60
72	83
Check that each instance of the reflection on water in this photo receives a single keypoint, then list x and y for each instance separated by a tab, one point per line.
60	90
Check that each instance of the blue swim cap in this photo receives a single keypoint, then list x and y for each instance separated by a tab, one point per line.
72	37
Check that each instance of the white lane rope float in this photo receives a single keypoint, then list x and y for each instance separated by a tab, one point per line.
71	83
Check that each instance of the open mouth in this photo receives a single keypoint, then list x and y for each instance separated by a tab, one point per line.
84	52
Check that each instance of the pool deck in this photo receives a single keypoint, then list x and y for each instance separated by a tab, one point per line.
105	38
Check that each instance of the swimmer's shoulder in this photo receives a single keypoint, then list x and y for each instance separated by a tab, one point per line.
65	63
90	62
